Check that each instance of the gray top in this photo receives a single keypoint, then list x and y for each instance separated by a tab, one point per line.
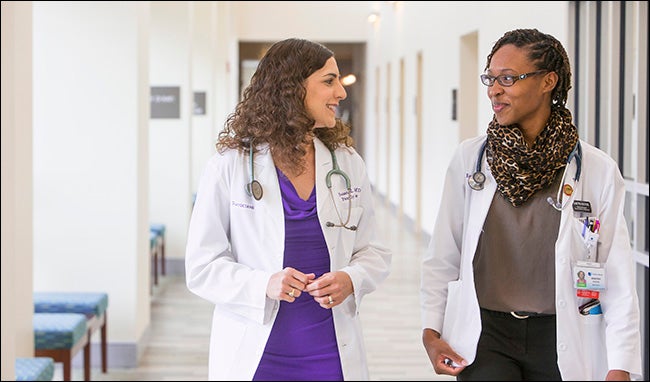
514	264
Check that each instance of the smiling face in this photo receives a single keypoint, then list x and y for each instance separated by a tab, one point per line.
527	101
324	91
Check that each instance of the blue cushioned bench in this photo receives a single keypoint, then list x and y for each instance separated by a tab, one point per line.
61	336
34	368
91	304
153	250
159	230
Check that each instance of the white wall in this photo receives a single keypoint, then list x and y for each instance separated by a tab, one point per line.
170	139
331	21
435	29
90	162
93	140
192	46
204	56
210	73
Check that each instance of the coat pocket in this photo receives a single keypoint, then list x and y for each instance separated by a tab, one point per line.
594	345
588	239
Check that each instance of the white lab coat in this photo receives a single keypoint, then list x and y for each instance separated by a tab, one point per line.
587	346
235	243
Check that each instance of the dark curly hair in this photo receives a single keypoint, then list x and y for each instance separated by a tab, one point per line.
272	109
546	53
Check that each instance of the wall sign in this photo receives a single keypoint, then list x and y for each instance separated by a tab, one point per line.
454	96
165	102
199	103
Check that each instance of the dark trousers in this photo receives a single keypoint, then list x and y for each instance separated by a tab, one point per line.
512	349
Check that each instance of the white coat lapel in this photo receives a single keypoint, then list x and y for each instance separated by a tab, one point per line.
323	162
325	208
269	208
477	209
571	191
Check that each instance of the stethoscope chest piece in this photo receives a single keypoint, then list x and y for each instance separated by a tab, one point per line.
255	188
476	181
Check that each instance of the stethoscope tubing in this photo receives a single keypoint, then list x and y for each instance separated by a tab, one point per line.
254	188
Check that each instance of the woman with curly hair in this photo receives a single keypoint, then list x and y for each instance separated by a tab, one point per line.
282	237
524	208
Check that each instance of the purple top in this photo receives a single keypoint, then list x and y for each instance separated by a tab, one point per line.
302	345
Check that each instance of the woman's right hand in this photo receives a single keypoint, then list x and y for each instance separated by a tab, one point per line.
441	355
287	284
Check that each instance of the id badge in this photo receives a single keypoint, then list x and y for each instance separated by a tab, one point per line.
589	275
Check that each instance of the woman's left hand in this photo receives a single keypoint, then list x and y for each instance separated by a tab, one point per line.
330	289
617	375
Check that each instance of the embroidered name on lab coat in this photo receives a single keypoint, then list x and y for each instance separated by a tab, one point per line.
243	205
350	194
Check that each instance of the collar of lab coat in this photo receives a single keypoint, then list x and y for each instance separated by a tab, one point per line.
271	202
265	173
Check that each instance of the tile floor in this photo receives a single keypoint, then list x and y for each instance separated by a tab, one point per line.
178	349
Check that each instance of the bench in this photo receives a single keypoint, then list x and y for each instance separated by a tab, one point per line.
61	336
34	368
159	231
93	305
153	251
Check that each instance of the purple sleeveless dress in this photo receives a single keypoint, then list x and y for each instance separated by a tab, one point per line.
302	345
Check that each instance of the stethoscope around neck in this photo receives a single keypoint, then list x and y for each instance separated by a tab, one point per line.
254	189
477	180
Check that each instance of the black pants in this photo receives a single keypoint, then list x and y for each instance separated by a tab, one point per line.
512	349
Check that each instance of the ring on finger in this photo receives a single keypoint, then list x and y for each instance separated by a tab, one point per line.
329	298
291	294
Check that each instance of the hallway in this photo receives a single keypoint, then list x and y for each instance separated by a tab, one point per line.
178	348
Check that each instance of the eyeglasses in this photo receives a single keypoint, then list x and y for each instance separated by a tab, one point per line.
507	79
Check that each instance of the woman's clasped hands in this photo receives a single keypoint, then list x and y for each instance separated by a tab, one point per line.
328	290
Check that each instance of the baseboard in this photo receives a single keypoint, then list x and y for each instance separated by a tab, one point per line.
174	267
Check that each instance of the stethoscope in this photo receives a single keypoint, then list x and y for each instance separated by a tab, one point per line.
254	188
477	180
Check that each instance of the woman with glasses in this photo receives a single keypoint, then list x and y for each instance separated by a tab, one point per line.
524	208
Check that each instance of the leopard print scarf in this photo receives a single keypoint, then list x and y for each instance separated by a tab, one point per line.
521	171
